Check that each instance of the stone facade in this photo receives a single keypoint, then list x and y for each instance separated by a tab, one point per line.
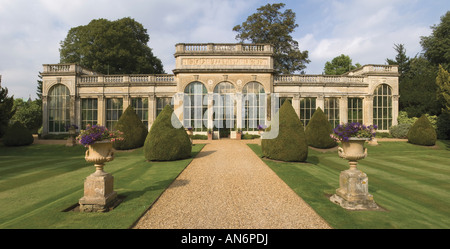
75	95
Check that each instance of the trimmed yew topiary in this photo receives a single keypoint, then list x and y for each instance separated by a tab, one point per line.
290	144
422	132
164	142
134	131
17	135
318	131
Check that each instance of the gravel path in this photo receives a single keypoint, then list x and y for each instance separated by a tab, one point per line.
228	187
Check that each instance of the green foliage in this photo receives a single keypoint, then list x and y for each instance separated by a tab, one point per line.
164	142
400	130
111	47
443	126
443	89
29	113
400	59
404	119
318	131
134	131
290	144
339	65
199	137
422	132
418	89
437	45
270	25
6	110
17	135
249	136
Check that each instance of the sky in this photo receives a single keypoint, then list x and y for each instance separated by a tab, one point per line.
365	30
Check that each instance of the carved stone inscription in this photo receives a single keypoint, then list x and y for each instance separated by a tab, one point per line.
225	62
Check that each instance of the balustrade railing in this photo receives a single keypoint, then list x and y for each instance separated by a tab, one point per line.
164	78
317	79
222	47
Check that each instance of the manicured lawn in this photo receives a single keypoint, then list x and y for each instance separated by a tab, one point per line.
38	182
411	182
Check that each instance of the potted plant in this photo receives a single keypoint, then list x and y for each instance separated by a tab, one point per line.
352	137
353	184
210	134
261	128
72	129
99	140
98	187
189	131
238	134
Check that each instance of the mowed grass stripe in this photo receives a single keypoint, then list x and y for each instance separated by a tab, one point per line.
40	205
55	169
390	172
410	182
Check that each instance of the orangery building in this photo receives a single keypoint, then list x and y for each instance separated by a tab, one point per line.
218	87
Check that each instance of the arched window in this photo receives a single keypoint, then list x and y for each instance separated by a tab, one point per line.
195	107
224	116
382	107
254	106
58	108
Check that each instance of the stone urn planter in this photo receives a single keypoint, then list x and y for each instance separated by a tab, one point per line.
99	192
71	139
238	135
353	191
210	135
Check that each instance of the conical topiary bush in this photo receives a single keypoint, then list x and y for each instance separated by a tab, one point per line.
318	131
164	142
422	132
17	135
290	144
134	131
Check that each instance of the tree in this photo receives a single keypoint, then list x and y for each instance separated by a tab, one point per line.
418	88
270	25
134	131
164	142
318	131
443	89
339	65
29	113
6	110
111	47
437	45
422	132
400	59
17	135
290	145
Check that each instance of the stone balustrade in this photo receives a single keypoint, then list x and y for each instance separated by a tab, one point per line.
367	69
222	47
317	79
163	78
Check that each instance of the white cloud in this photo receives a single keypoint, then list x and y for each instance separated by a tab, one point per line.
31	30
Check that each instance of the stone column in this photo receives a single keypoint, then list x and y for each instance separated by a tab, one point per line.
72	110
395	109
343	109
210	110
239	110
296	104
44	115
126	102
320	102
368	110
151	110
101	111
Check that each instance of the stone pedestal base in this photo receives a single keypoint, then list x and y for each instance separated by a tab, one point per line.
71	142
98	193
353	191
